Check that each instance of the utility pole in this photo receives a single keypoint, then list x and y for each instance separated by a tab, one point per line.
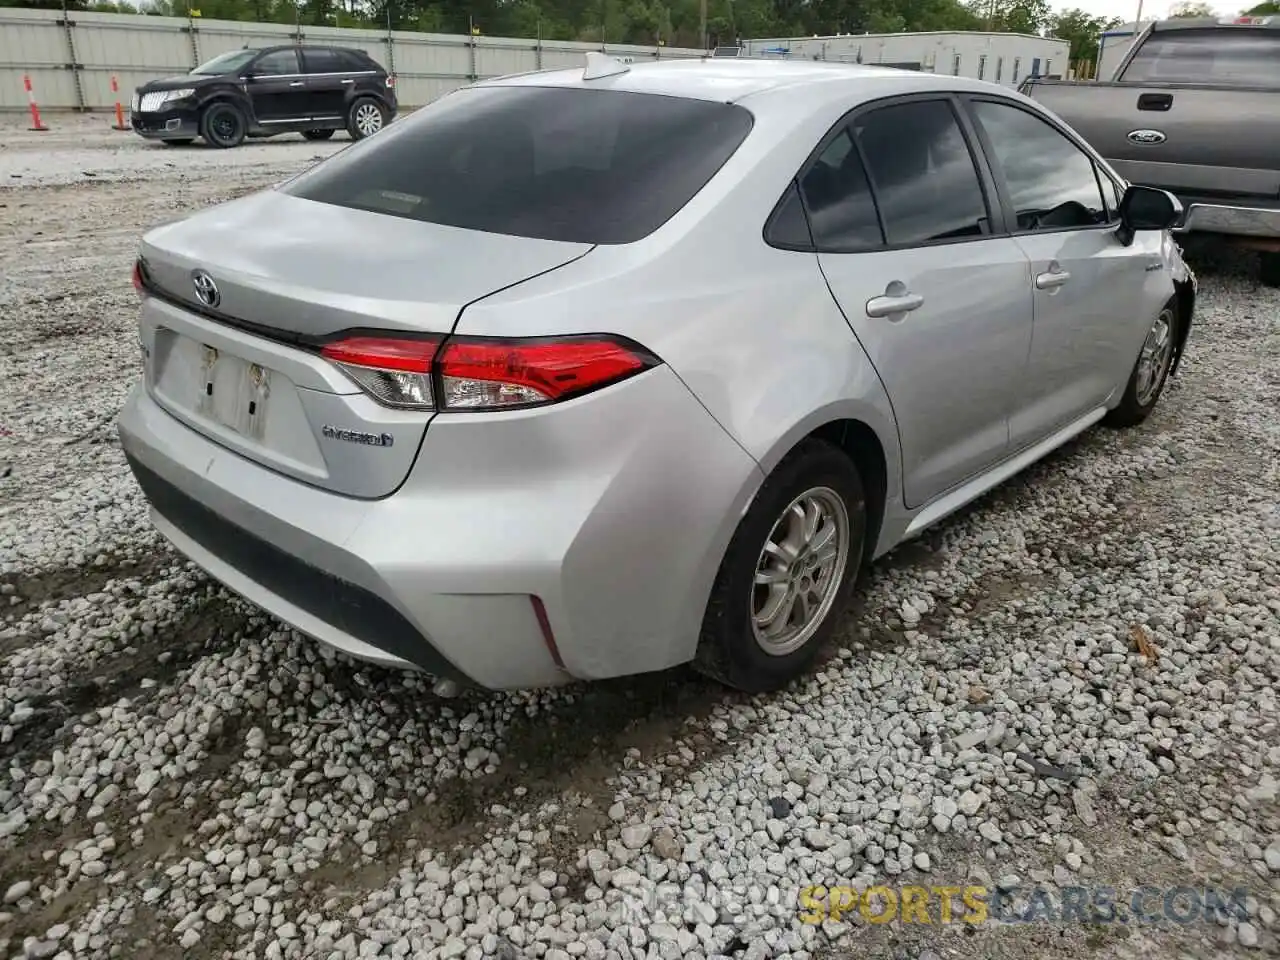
702	20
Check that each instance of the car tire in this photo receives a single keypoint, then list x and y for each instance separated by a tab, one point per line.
1150	371
365	117
740	644
183	142
223	125
1269	268
318	134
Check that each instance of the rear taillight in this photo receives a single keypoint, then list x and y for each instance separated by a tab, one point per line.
138	283
394	371
483	373
391	81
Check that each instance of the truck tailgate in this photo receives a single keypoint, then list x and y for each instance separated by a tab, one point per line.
1195	140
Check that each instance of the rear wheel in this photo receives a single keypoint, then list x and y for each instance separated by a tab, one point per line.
1150	372
365	118
223	125
786	576
317	134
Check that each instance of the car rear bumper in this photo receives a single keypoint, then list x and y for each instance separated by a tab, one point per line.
615	525
166	124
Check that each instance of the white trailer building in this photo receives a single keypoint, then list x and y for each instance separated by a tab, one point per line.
1005	58
1113	45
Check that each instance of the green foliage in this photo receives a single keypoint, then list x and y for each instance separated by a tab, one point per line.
1012	16
675	23
1082	30
1191	10
1268	9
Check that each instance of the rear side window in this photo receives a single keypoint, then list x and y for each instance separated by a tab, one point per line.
323	61
842	212
355	62
1239	56
581	166
923	174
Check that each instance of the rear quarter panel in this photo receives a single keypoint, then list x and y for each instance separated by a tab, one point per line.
752	331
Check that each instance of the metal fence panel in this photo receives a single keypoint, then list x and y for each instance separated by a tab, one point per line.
71	63
31	42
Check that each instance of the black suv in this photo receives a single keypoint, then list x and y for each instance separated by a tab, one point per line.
263	92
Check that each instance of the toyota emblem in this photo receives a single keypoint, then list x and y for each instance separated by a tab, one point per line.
206	290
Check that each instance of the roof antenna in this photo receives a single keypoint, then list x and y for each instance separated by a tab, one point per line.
602	65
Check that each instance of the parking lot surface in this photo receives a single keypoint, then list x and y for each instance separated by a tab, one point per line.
1073	685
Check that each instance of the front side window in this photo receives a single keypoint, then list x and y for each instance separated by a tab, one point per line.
1051	181
922	172
842	212
1235	56
1112	194
553	163
278	63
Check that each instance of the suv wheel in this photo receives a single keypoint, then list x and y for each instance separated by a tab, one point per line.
317	134
365	118
223	125
786	576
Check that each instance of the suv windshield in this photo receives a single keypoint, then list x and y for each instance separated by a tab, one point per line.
227	62
553	163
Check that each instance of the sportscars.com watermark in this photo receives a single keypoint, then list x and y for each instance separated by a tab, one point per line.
978	904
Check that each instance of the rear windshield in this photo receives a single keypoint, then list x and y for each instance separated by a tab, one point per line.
1234	56
583	166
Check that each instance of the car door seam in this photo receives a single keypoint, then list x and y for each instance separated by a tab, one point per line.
884	387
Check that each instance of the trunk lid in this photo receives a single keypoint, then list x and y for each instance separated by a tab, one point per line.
240	365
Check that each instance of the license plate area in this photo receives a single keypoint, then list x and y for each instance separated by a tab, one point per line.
233	392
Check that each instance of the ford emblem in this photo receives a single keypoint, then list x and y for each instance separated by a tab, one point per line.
1147	136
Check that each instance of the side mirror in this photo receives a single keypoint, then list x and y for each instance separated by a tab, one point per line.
1147	208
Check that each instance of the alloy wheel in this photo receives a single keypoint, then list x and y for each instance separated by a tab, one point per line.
799	571
1154	360
368	119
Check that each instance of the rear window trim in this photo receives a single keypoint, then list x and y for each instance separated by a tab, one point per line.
293	186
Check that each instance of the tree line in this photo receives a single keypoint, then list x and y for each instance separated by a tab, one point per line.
675	23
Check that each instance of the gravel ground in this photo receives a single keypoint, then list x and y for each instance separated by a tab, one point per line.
1073	683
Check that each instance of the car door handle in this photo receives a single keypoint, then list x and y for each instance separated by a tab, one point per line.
888	306
1155	101
348	80
296	83
1052	280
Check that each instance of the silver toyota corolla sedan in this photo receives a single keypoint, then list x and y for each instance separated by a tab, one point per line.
595	371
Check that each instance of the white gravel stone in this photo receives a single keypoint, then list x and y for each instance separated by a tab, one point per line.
636	836
990	689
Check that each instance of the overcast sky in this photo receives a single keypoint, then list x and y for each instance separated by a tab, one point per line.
1128	9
